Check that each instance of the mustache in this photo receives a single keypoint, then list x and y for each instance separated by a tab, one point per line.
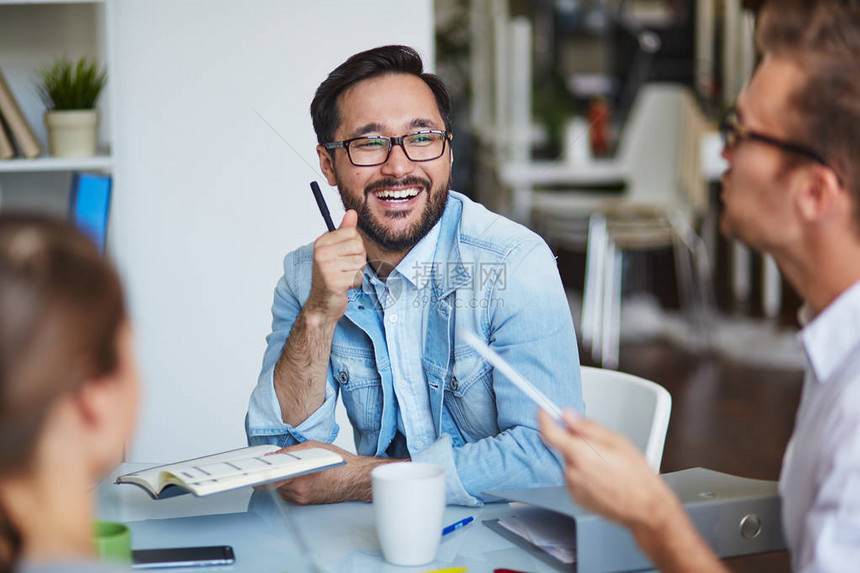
385	182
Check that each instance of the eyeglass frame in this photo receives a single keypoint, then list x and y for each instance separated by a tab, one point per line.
731	127
446	136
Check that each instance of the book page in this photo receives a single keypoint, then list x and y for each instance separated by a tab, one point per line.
237	468
155	475
193	474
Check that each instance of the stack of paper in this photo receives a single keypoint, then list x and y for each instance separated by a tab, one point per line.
552	532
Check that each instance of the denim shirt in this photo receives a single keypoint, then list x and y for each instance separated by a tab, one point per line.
489	276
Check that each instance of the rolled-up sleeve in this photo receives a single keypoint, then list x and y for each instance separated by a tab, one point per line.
264	424
441	453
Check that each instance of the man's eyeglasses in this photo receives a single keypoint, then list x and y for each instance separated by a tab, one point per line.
425	145
733	133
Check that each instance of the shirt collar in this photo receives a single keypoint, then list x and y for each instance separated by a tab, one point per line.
447	271
417	266
832	336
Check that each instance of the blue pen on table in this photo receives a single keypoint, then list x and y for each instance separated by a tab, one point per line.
455	526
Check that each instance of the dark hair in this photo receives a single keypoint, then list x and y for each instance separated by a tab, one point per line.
61	307
823	38
363	66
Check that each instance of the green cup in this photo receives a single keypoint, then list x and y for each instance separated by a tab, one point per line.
112	541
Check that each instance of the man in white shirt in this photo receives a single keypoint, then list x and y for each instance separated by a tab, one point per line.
792	190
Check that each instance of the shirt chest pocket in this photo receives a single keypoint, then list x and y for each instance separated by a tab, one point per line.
469	395
360	388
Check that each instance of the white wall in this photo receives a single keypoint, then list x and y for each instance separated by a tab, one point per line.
208	199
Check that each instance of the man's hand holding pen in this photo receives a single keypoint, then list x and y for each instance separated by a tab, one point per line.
300	375
339	259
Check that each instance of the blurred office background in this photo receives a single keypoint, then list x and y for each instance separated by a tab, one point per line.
592	121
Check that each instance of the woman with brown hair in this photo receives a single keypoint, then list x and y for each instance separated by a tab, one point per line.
68	392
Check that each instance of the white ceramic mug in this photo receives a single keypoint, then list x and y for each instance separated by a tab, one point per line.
409	503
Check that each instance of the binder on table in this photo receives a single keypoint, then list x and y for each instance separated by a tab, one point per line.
734	515
89	205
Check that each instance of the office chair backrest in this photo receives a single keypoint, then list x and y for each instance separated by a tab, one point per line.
633	406
691	179
648	148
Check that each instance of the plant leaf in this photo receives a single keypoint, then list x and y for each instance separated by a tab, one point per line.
66	85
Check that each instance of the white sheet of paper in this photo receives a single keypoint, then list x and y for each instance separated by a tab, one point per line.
552	532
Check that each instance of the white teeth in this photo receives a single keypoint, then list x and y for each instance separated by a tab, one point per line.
399	194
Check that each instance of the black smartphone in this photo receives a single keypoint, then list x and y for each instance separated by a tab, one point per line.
182	557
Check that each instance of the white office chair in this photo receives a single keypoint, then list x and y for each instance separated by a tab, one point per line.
633	406
660	156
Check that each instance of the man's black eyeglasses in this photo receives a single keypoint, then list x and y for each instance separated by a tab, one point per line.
733	133
425	145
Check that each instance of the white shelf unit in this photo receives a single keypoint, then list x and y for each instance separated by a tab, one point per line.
33	34
44	164
25	2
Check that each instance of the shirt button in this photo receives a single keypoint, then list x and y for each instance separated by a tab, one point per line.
343	377
392	319
454	383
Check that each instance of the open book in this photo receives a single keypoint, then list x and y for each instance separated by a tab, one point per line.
231	470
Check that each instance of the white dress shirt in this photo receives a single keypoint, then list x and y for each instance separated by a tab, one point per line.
820	479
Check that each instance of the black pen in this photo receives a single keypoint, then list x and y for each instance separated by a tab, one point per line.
321	204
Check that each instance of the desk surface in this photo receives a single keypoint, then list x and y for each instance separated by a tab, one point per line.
605	171
340	537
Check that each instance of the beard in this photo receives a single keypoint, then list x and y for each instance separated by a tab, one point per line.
376	230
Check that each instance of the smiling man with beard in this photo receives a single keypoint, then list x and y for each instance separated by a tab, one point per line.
373	310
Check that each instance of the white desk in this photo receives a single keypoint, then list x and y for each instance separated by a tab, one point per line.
341	537
593	173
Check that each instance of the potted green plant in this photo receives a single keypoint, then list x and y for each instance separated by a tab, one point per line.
70	92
